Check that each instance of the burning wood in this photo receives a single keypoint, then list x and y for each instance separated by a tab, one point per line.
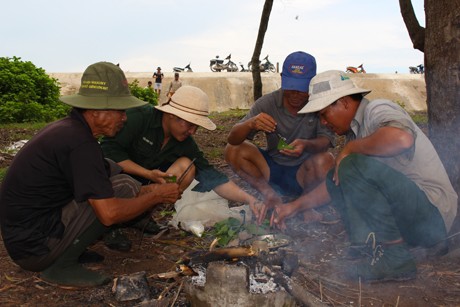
221	254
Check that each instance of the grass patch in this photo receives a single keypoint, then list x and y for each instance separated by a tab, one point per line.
214	153
420	118
22	131
232	113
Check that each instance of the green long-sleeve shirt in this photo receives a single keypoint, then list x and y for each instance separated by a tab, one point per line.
140	141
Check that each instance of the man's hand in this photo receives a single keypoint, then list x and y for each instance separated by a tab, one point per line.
270	202
168	193
158	176
299	147
342	155
280	214
263	122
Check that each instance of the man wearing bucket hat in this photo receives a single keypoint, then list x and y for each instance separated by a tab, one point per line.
60	194
157	143
388	184
295	166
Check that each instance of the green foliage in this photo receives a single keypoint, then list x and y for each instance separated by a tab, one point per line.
146	94
227	230
27	93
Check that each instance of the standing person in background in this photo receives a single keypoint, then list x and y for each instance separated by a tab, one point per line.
388	184
158	76
174	85
302	161
60	194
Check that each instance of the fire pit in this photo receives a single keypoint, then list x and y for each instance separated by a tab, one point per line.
225	284
254	275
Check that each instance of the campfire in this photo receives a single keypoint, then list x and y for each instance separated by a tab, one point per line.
257	273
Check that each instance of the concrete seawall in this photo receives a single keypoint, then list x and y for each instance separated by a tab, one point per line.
235	90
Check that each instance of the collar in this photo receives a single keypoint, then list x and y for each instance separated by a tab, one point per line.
75	114
358	120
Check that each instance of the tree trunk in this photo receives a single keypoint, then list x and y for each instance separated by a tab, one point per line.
442	77
442	64
255	62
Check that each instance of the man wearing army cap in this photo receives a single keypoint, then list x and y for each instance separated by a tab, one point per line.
60	194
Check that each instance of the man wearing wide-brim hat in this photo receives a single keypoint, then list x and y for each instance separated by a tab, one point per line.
157	144
60	194
388	184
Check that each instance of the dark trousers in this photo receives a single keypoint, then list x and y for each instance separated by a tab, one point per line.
373	197
77	217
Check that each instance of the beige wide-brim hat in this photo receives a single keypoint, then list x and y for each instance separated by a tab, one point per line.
191	104
329	86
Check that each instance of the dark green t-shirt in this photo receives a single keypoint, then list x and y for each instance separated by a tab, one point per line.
140	141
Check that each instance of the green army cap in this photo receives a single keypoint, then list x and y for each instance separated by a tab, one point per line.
103	86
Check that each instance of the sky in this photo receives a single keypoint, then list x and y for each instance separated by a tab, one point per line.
69	35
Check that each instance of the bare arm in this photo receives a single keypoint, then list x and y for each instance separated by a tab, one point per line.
117	210
385	142
233	192
317	197
240	131
133	168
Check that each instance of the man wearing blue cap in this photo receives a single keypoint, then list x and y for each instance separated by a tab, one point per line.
295	159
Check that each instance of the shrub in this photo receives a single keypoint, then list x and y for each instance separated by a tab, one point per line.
145	94
27	93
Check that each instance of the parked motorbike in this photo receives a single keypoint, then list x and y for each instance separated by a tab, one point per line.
356	70
242	68
419	69
264	66
187	68
217	65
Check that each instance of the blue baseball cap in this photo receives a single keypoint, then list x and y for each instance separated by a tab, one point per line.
298	70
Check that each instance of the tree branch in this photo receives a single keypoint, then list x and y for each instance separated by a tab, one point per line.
416	32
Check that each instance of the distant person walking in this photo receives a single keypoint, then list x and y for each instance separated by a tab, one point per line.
158	76
174	85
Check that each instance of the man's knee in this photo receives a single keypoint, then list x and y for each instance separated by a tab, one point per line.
125	186
353	164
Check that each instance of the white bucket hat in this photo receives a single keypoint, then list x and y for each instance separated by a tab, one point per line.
327	87
191	104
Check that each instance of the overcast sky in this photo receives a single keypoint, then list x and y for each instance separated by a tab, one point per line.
67	36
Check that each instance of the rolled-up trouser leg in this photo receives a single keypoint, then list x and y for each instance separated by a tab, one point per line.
373	197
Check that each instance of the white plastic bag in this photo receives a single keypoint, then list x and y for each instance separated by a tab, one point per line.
196	210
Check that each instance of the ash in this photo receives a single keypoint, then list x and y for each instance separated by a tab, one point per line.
261	284
200	279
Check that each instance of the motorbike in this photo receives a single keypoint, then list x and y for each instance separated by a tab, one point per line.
187	68
218	65
242	68
419	69
356	70
265	66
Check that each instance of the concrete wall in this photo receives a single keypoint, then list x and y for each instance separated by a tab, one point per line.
234	90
